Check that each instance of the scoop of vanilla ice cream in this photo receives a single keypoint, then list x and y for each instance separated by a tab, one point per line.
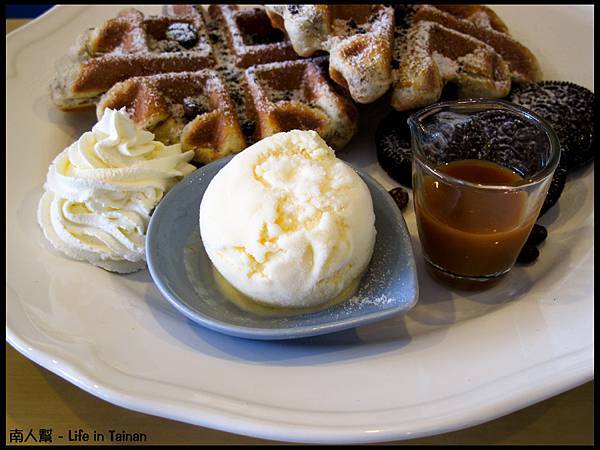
100	191
287	223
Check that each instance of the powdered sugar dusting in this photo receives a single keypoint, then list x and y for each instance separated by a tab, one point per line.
378	288
317	104
358	39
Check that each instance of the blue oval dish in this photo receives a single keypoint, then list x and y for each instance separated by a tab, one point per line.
184	274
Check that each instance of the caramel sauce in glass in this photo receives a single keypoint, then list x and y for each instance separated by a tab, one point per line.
472	232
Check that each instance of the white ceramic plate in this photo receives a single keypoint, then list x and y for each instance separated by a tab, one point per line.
453	361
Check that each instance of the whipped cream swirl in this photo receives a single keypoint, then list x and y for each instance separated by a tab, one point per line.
100	191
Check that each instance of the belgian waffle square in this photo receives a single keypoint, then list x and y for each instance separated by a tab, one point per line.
297	95
466	45
485	26
193	108
251	37
126	46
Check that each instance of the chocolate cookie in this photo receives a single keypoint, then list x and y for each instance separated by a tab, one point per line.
504	139
392	141
497	136
556	187
569	109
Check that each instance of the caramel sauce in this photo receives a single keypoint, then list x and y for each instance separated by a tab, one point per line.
468	231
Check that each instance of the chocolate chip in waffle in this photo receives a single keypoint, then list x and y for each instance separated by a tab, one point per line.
126	46
358	39
193	108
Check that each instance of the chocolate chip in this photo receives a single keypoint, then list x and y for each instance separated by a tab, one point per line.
236	97
537	236
169	46
248	128
192	108
351	23
395	64
183	33
528	254
400	196
214	38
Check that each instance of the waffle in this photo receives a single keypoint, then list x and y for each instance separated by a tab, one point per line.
436	55
481	16
133	61
467	45
522	63
358	39
279	95
251	37
193	108
296	95
127	46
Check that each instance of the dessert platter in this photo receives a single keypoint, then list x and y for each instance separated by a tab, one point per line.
210	212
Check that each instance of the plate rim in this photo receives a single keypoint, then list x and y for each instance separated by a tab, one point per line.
213	417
